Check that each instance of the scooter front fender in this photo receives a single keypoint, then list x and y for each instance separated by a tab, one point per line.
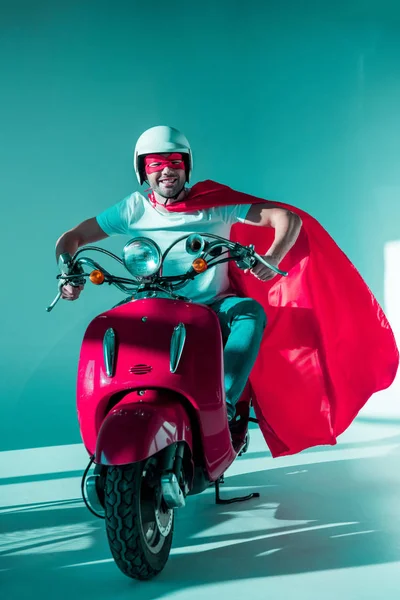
139	426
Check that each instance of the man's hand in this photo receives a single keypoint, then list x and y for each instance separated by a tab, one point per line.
262	272
87	232
71	292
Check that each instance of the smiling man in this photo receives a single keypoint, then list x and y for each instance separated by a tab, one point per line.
307	381
163	158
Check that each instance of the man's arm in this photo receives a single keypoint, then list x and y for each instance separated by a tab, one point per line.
87	232
287	227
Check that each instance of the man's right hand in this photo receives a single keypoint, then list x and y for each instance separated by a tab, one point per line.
87	232
71	292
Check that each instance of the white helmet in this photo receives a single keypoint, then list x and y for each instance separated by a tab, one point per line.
161	140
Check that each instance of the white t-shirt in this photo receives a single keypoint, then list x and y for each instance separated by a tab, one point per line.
136	217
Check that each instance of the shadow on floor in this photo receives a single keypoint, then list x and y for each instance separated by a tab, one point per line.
300	510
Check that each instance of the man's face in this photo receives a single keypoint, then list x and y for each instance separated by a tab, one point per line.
165	173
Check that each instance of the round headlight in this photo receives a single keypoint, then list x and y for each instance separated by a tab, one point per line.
142	257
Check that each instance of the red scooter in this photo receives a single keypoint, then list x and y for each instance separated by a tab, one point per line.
150	397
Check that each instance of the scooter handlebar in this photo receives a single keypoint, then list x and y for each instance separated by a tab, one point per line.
72	272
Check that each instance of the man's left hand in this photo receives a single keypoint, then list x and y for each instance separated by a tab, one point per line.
262	272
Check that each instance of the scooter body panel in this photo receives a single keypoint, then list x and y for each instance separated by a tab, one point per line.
140	426
143	331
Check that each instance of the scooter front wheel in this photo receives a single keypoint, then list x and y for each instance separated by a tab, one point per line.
139	525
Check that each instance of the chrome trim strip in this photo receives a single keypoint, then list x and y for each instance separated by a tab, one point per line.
109	351
177	344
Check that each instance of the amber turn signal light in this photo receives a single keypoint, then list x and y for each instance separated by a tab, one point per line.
97	277
199	265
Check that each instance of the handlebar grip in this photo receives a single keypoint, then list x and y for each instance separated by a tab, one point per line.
77	282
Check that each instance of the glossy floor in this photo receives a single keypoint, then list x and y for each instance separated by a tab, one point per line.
327	526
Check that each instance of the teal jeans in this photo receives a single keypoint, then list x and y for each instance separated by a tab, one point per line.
242	321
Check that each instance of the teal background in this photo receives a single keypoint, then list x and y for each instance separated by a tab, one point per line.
294	101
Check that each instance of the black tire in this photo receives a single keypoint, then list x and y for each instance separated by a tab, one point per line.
132	497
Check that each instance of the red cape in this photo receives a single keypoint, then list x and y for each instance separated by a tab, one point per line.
328	345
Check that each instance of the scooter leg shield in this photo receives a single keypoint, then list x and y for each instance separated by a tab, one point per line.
140	425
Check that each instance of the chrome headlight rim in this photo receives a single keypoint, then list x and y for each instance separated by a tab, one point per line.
157	257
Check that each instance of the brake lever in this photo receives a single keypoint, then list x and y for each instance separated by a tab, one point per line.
56	299
248	257
272	267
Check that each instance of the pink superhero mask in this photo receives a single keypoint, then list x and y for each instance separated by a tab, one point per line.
158	162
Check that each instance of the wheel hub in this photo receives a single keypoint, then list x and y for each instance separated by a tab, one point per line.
164	515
